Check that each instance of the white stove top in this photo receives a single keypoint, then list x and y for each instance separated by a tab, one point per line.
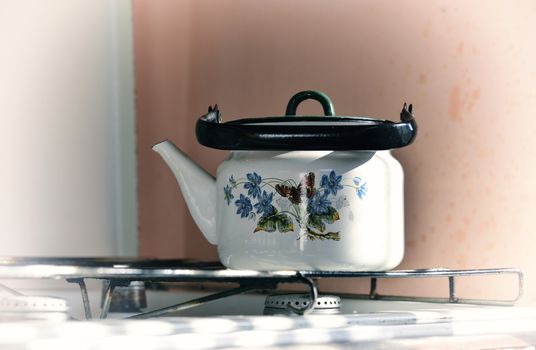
237	321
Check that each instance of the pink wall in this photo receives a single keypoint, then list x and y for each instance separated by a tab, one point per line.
468	68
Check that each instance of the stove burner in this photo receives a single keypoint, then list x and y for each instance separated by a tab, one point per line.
277	304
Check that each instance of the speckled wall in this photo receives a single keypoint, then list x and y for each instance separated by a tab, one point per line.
469	68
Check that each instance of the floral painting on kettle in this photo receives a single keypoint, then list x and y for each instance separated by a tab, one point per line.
282	204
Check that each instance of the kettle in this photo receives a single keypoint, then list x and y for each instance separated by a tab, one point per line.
299	192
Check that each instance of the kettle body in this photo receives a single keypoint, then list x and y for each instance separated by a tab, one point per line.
310	210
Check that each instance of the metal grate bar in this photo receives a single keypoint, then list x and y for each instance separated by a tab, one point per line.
85	297
194	303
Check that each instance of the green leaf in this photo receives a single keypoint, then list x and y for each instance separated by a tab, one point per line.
313	236
331	216
267	224
318	221
315	221
281	222
333	236
284	223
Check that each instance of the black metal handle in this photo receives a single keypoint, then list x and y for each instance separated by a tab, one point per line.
324	100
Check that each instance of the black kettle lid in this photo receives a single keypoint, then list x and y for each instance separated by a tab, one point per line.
291	132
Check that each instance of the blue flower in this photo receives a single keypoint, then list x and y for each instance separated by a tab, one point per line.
361	187
319	204
232	181
264	205
228	195
252	186
331	183
244	206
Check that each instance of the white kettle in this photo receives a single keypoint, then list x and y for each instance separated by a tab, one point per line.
299	193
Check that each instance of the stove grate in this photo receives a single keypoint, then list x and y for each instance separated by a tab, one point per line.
121	272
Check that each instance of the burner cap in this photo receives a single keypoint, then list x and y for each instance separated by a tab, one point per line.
276	304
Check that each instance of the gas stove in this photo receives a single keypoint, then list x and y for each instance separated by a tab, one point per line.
185	304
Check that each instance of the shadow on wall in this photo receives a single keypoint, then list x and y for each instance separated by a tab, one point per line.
466	67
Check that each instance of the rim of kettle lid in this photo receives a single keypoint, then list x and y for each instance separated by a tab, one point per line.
291	132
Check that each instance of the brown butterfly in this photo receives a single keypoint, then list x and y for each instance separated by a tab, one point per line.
294	193
309	182
290	192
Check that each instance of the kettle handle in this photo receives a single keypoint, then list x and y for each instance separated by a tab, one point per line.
301	96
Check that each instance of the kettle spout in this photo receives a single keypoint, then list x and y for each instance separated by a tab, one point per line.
197	186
